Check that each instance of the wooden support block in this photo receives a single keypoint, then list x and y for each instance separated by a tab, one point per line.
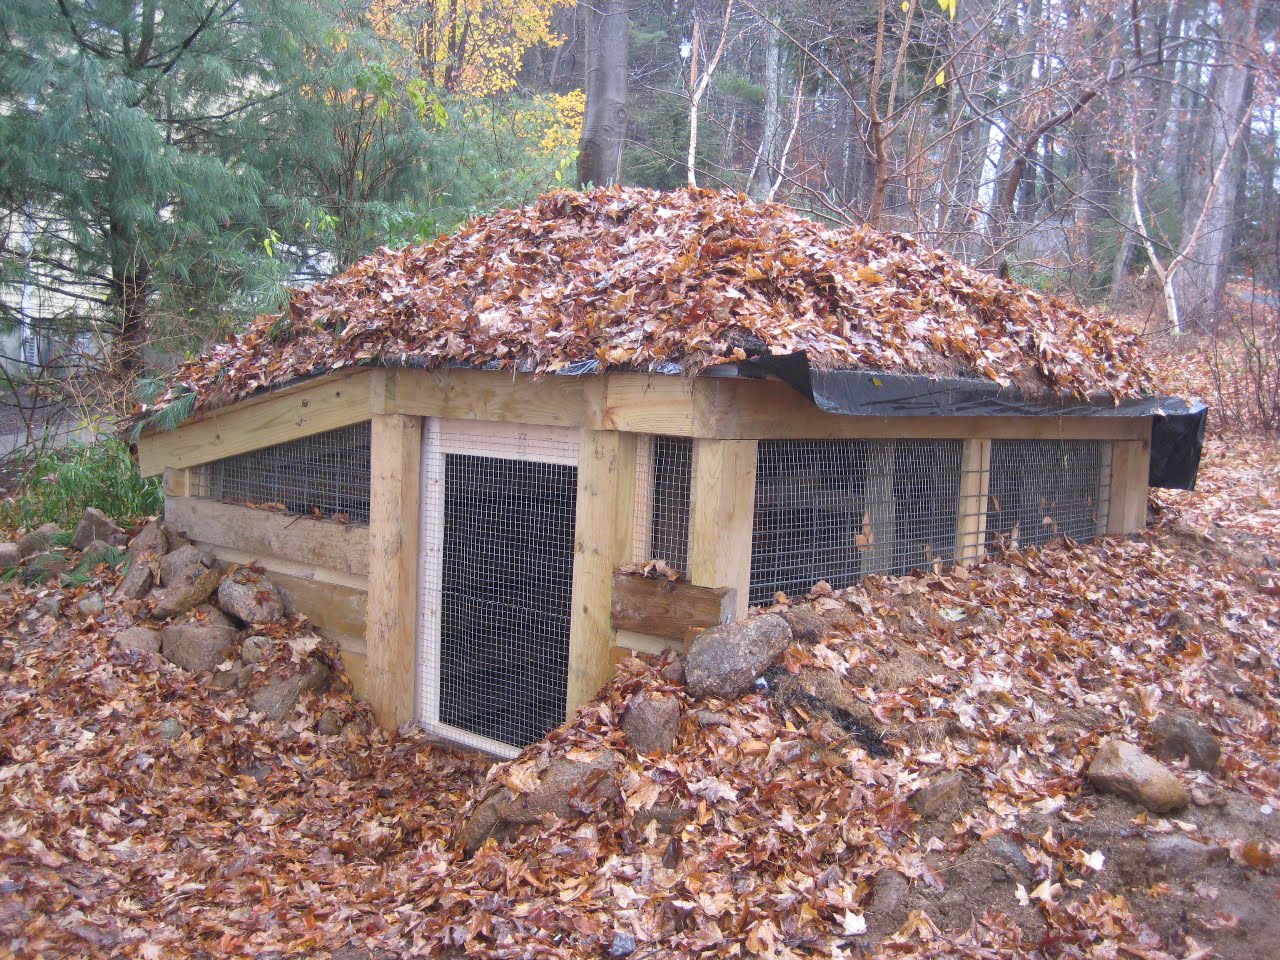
666	609
343	547
176	482
394	524
1130	471
602	542
975	484
721	508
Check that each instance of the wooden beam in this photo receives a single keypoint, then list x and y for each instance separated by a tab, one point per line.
666	609
175	483
394	523
498	396
721	506
975	485
602	542
320	543
264	422
1130	471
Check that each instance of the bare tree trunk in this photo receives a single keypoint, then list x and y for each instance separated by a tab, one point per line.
604	122
698	87
1204	276
761	178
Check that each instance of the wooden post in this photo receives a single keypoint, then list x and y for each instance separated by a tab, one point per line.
176	482
602	542
392	623
975	485
1130	470
721	507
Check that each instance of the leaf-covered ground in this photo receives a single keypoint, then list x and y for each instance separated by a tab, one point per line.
634	279
122	834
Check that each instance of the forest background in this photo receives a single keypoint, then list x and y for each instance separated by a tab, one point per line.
169	168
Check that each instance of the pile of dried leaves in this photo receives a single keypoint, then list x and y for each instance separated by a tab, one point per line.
761	834
638	279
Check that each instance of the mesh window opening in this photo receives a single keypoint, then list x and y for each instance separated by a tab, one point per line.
1042	489
663	484
836	510
324	476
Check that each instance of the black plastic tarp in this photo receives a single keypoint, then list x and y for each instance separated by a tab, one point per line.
1177	429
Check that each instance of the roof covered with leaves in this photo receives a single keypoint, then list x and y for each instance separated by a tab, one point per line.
637	279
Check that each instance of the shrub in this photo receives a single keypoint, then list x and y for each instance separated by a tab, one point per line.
57	485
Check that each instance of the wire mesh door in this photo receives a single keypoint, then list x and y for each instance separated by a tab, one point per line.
498	542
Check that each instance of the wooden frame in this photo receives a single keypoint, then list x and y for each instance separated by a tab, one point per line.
611	418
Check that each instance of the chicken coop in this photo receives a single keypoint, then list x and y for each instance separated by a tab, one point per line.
466	526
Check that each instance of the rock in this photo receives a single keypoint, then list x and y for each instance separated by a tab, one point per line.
50	606
889	894
38	540
172	564
233	678
197	647
623	945
170	729
563	789
1177	857
1004	850
98	547
725	660
329	724
93	525
710	718
255	648
673	672
250	597
278	697
10	556
941	792
120	540
806	625
188	589
668	816
150	541
136	582
91	605
174	538
137	640
208	613
44	566
651	723
1121	768
1178	736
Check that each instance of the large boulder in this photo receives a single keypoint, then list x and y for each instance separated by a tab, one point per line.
1179	736
173	564
564	789
183	591
1123	769
93	525
197	646
725	660
250	597
137	640
277	696
10	556
651	723
136	582
43	566
150	541
38	540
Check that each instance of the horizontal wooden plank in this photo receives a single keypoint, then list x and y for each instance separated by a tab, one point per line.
666	609
342	547
326	404
546	400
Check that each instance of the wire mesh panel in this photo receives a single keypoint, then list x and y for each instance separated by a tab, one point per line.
324	475
836	510
1041	489
498	536
664	478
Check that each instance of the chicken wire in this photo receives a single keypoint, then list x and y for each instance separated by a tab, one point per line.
664	477
836	510
498	536
323	475
1041	489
